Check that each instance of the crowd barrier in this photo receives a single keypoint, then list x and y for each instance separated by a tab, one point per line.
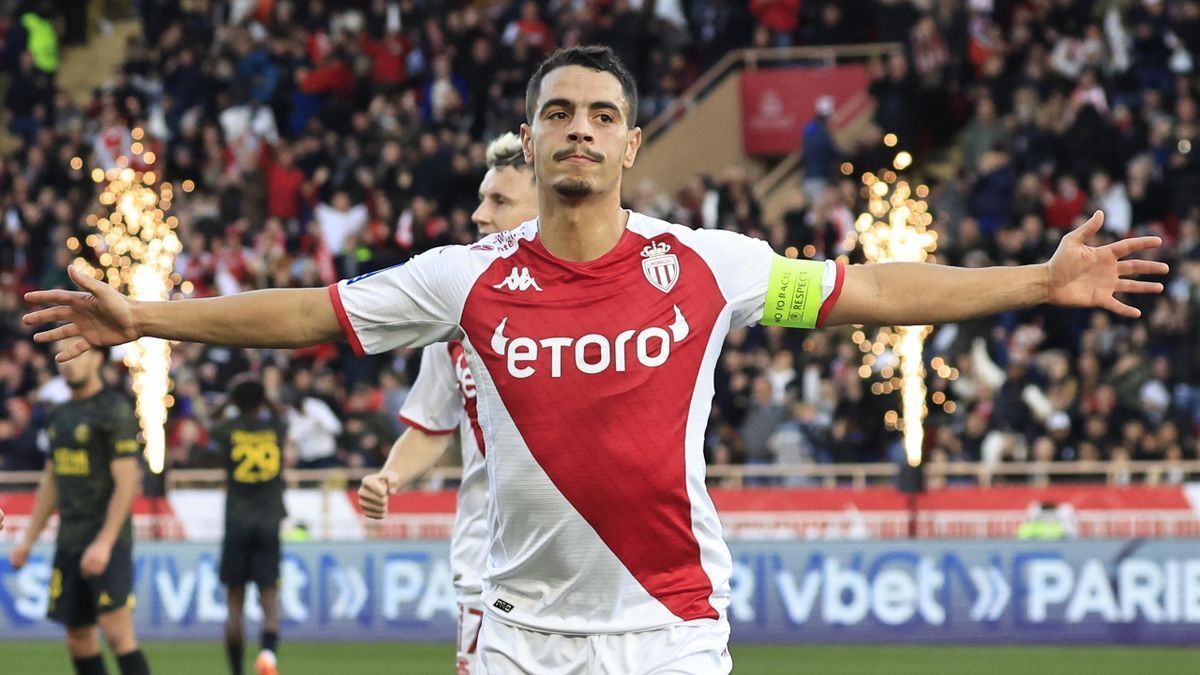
330	513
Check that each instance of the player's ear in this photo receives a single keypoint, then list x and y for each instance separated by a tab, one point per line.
631	146
527	143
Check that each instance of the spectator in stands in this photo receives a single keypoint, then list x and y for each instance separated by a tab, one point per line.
820	151
893	86
763	415
340	223
313	428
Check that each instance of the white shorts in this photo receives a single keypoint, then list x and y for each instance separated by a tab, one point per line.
470	616
693	648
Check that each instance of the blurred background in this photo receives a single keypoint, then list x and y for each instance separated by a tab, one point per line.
305	141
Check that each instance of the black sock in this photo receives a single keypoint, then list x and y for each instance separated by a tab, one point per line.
234	651
133	663
92	665
270	641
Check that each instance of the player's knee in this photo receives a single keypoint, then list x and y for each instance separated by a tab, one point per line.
118	631
233	622
83	642
268	600
123	643
235	600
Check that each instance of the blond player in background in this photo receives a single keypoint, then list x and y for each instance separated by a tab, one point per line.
443	399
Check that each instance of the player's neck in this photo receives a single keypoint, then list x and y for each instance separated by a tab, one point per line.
87	390
581	231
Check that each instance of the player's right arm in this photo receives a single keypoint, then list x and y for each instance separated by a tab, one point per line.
45	501
407	305
100	316
432	411
412	456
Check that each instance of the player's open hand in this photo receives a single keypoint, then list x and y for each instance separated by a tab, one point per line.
95	559
19	555
374	492
1088	276
98	315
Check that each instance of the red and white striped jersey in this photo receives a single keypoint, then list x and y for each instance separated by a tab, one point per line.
594	383
442	400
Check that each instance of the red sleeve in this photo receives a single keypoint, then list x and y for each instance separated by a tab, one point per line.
431	432
344	321
827	306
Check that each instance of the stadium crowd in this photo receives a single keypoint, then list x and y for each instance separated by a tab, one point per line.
312	143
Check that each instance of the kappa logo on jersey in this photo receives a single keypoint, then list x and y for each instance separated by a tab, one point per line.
520	280
660	266
593	353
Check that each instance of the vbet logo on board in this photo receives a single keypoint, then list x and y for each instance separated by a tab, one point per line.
873	591
1033	589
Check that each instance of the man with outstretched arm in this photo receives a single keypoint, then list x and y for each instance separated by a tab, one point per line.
592	334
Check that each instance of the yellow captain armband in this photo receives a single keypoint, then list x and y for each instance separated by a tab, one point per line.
794	293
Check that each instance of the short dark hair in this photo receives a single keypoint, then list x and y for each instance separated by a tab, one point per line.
247	394
596	57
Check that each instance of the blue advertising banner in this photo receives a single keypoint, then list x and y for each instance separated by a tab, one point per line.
1101	591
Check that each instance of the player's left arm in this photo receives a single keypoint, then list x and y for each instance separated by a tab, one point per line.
1077	275
432	412
125	471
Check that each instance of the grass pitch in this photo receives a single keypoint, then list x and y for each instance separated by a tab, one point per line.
208	658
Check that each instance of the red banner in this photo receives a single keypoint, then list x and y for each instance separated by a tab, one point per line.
876	512
777	103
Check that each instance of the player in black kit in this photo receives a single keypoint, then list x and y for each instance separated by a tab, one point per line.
251	440
91	477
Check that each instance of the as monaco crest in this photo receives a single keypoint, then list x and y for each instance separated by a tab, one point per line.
661	268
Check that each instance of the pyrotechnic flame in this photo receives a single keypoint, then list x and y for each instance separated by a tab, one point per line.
894	229
136	246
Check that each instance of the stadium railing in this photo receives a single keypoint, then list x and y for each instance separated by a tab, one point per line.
752	475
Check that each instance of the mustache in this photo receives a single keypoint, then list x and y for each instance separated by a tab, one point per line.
575	150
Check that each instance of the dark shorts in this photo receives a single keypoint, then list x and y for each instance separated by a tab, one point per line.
76	600
250	552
